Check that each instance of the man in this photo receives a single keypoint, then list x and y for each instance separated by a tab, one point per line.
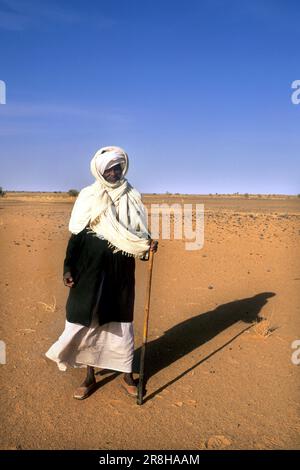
109	230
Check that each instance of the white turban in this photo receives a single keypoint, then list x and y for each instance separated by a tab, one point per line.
109	159
106	158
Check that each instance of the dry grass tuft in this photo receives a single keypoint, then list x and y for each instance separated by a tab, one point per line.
49	307
263	328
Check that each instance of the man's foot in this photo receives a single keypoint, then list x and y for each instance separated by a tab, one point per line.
128	383
87	387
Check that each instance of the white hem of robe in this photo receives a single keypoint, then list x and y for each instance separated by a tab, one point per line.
109	346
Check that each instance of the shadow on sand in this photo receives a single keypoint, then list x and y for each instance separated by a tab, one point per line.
188	335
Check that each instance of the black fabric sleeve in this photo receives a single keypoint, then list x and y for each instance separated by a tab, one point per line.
73	252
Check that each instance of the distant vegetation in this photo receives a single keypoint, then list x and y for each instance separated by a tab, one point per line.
2	192
73	192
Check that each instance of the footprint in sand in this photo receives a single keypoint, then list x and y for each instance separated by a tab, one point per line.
217	442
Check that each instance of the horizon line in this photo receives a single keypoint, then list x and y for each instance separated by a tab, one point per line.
166	193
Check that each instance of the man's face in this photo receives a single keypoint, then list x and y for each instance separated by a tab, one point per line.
113	174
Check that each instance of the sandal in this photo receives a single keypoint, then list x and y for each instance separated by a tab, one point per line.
130	389
83	392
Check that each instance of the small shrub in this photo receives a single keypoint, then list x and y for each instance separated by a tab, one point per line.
73	192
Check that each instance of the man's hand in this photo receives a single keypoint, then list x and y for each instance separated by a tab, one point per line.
68	280
153	245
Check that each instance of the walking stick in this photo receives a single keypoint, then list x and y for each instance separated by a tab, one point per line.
145	331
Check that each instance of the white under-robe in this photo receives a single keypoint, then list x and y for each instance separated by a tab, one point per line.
109	346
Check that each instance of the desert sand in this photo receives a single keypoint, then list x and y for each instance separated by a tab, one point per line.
218	378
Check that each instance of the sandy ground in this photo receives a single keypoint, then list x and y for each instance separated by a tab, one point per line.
216	377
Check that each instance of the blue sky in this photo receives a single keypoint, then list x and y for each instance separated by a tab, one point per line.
198	92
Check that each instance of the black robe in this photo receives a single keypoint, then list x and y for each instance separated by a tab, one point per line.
104	282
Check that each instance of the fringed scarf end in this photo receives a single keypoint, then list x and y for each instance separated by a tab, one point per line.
113	247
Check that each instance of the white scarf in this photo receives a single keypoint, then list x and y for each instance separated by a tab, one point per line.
112	210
